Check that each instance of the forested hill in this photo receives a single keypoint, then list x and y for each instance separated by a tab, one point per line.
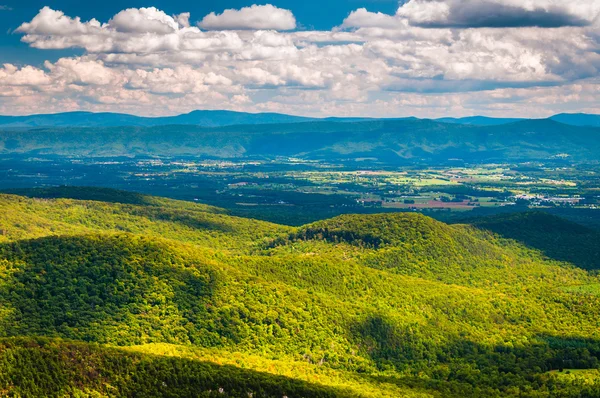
387	141
133	295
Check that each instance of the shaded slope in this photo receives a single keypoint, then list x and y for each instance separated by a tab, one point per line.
110	289
557	238
53	368
109	195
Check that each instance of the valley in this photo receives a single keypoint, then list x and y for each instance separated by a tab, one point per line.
297	191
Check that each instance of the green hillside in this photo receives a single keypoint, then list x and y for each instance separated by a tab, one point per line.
141	296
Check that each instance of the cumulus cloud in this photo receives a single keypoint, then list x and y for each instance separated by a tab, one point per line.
10	75
254	17
49	22
421	60
499	13
362	18
144	20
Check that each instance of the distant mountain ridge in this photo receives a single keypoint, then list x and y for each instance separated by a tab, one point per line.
196	118
384	141
572	119
578	119
221	118
479	120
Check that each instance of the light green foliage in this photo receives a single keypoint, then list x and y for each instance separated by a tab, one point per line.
181	221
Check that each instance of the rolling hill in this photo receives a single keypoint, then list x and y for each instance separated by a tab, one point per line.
132	295
390	141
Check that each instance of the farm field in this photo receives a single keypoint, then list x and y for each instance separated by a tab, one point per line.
294	191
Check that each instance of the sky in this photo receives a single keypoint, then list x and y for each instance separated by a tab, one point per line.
378	58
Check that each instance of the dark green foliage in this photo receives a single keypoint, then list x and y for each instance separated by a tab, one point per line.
56	368
388	344
555	237
86	287
86	193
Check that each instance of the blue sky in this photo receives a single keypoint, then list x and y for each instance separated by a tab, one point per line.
427	58
330	13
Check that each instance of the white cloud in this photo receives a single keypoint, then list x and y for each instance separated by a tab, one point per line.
148	62
499	13
5	8
362	18
10	75
49	22
254	17
144	20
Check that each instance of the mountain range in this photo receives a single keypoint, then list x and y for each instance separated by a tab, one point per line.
384	141
218	118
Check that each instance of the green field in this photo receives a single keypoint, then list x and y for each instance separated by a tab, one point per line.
295	192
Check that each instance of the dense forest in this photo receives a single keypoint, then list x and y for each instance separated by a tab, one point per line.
109	293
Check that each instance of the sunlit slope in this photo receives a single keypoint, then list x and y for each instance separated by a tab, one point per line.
416	245
149	216
398	299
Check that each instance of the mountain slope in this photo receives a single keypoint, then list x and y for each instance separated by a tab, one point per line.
578	119
391	141
157	217
552	235
383	305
